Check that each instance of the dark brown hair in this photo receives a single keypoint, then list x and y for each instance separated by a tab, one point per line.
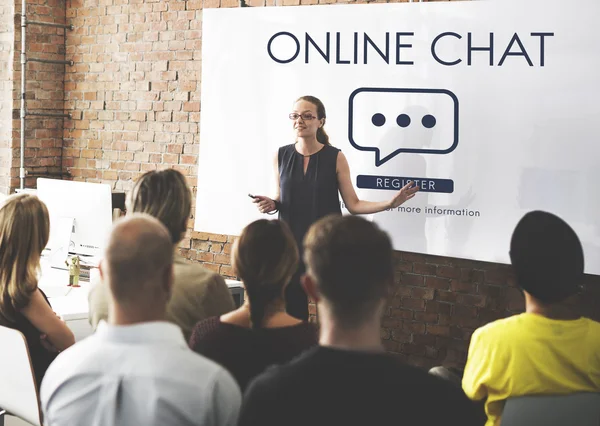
165	195
265	257
350	259
322	136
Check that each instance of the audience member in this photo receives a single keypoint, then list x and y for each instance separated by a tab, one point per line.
138	369
197	292
548	349
260	333
349	379
24	232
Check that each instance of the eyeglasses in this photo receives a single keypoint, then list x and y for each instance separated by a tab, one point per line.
307	116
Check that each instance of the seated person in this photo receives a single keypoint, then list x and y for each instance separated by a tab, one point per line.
24	232
137	369
348	379
548	349
197	293
260	333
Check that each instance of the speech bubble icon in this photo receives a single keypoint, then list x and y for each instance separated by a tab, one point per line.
390	121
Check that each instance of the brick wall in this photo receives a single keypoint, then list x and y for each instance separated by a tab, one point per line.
7	11
45	90
134	93
45	93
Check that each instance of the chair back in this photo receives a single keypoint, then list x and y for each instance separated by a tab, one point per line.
577	409
18	390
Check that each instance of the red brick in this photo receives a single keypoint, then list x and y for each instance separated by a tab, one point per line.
401	314
414	327
471	300
400	336
438	330
200	245
464	311
413	304
448	272
388	322
496	276
412	280
222	259
494	292
403	266
218	238
212	267
424	269
435	307
216	248
515	299
462	287
205	257
426	317
422	293
389	345
446	296
488	315
414	257
437	283
424	339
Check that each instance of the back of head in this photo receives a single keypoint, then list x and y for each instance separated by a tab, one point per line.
138	261
24	232
165	195
351	261
265	257
547	257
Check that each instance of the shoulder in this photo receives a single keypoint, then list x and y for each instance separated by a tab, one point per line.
286	148
214	376
69	363
285	151
278	376
195	275
594	330
497	329
332	149
204	329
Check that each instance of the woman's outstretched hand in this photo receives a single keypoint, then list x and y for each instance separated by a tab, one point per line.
406	193
264	204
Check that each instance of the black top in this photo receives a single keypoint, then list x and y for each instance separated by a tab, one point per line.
305	198
326	386
41	358
247	352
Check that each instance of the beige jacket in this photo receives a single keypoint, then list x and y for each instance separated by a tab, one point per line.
197	294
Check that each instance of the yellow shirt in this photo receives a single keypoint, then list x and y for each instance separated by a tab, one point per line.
531	354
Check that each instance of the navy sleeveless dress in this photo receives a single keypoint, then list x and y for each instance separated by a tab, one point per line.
304	199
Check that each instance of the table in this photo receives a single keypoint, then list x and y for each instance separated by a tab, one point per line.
71	304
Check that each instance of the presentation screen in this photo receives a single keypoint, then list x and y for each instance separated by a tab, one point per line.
490	106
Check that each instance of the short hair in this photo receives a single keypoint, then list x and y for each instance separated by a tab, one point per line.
138	251
351	261
547	257
166	196
265	258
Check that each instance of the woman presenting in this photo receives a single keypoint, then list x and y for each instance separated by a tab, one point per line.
310	173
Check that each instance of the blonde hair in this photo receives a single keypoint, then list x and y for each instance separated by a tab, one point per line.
164	195
24	232
265	257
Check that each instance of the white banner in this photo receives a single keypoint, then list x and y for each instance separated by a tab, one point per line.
490	105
